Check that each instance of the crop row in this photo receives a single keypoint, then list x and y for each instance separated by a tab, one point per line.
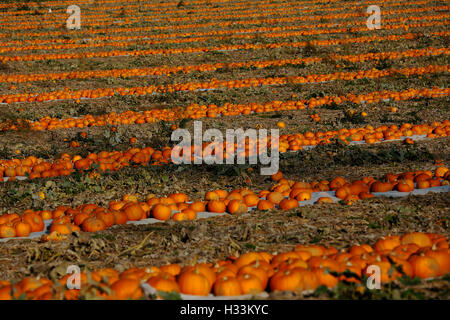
283	195
195	111
235	34
216	84
54	41
38	168
123	29
233	17
247	46
167	71
303	269
90	15
161	8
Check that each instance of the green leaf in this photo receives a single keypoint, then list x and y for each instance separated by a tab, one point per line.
169	295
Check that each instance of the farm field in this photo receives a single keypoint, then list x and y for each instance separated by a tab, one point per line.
89	178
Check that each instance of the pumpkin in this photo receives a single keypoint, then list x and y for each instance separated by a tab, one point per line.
366	195
295	191
211	195
357	187
166	201
236	207
23	229
358	250
7	231
107	217
277	176
275	197
308	279
442	257
419	238
133	211
193	282
424	267
314	250
404	186
256	270
250	283
164	283
404	251
423	184
106	275
404	266
264	205
386	243
221	193
422	177
197	206
120	217
179	216
216	206
287	204
125	289
303	196
324	200
161	212
235	195
227	286
247	258
288	280
251	200
336	183
79	218
324	277
66	228
46	215
348	266
173	269
292	263
93	224
179	197
225	273
34	220
381	186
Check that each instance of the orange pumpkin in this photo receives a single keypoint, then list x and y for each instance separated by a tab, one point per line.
216	206
236	207
193	282
93	224
250	283
227	286
161	212
125	289
424	267
34	220
133	211
287	204
381	186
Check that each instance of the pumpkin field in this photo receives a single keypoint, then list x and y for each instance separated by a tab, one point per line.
99	200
